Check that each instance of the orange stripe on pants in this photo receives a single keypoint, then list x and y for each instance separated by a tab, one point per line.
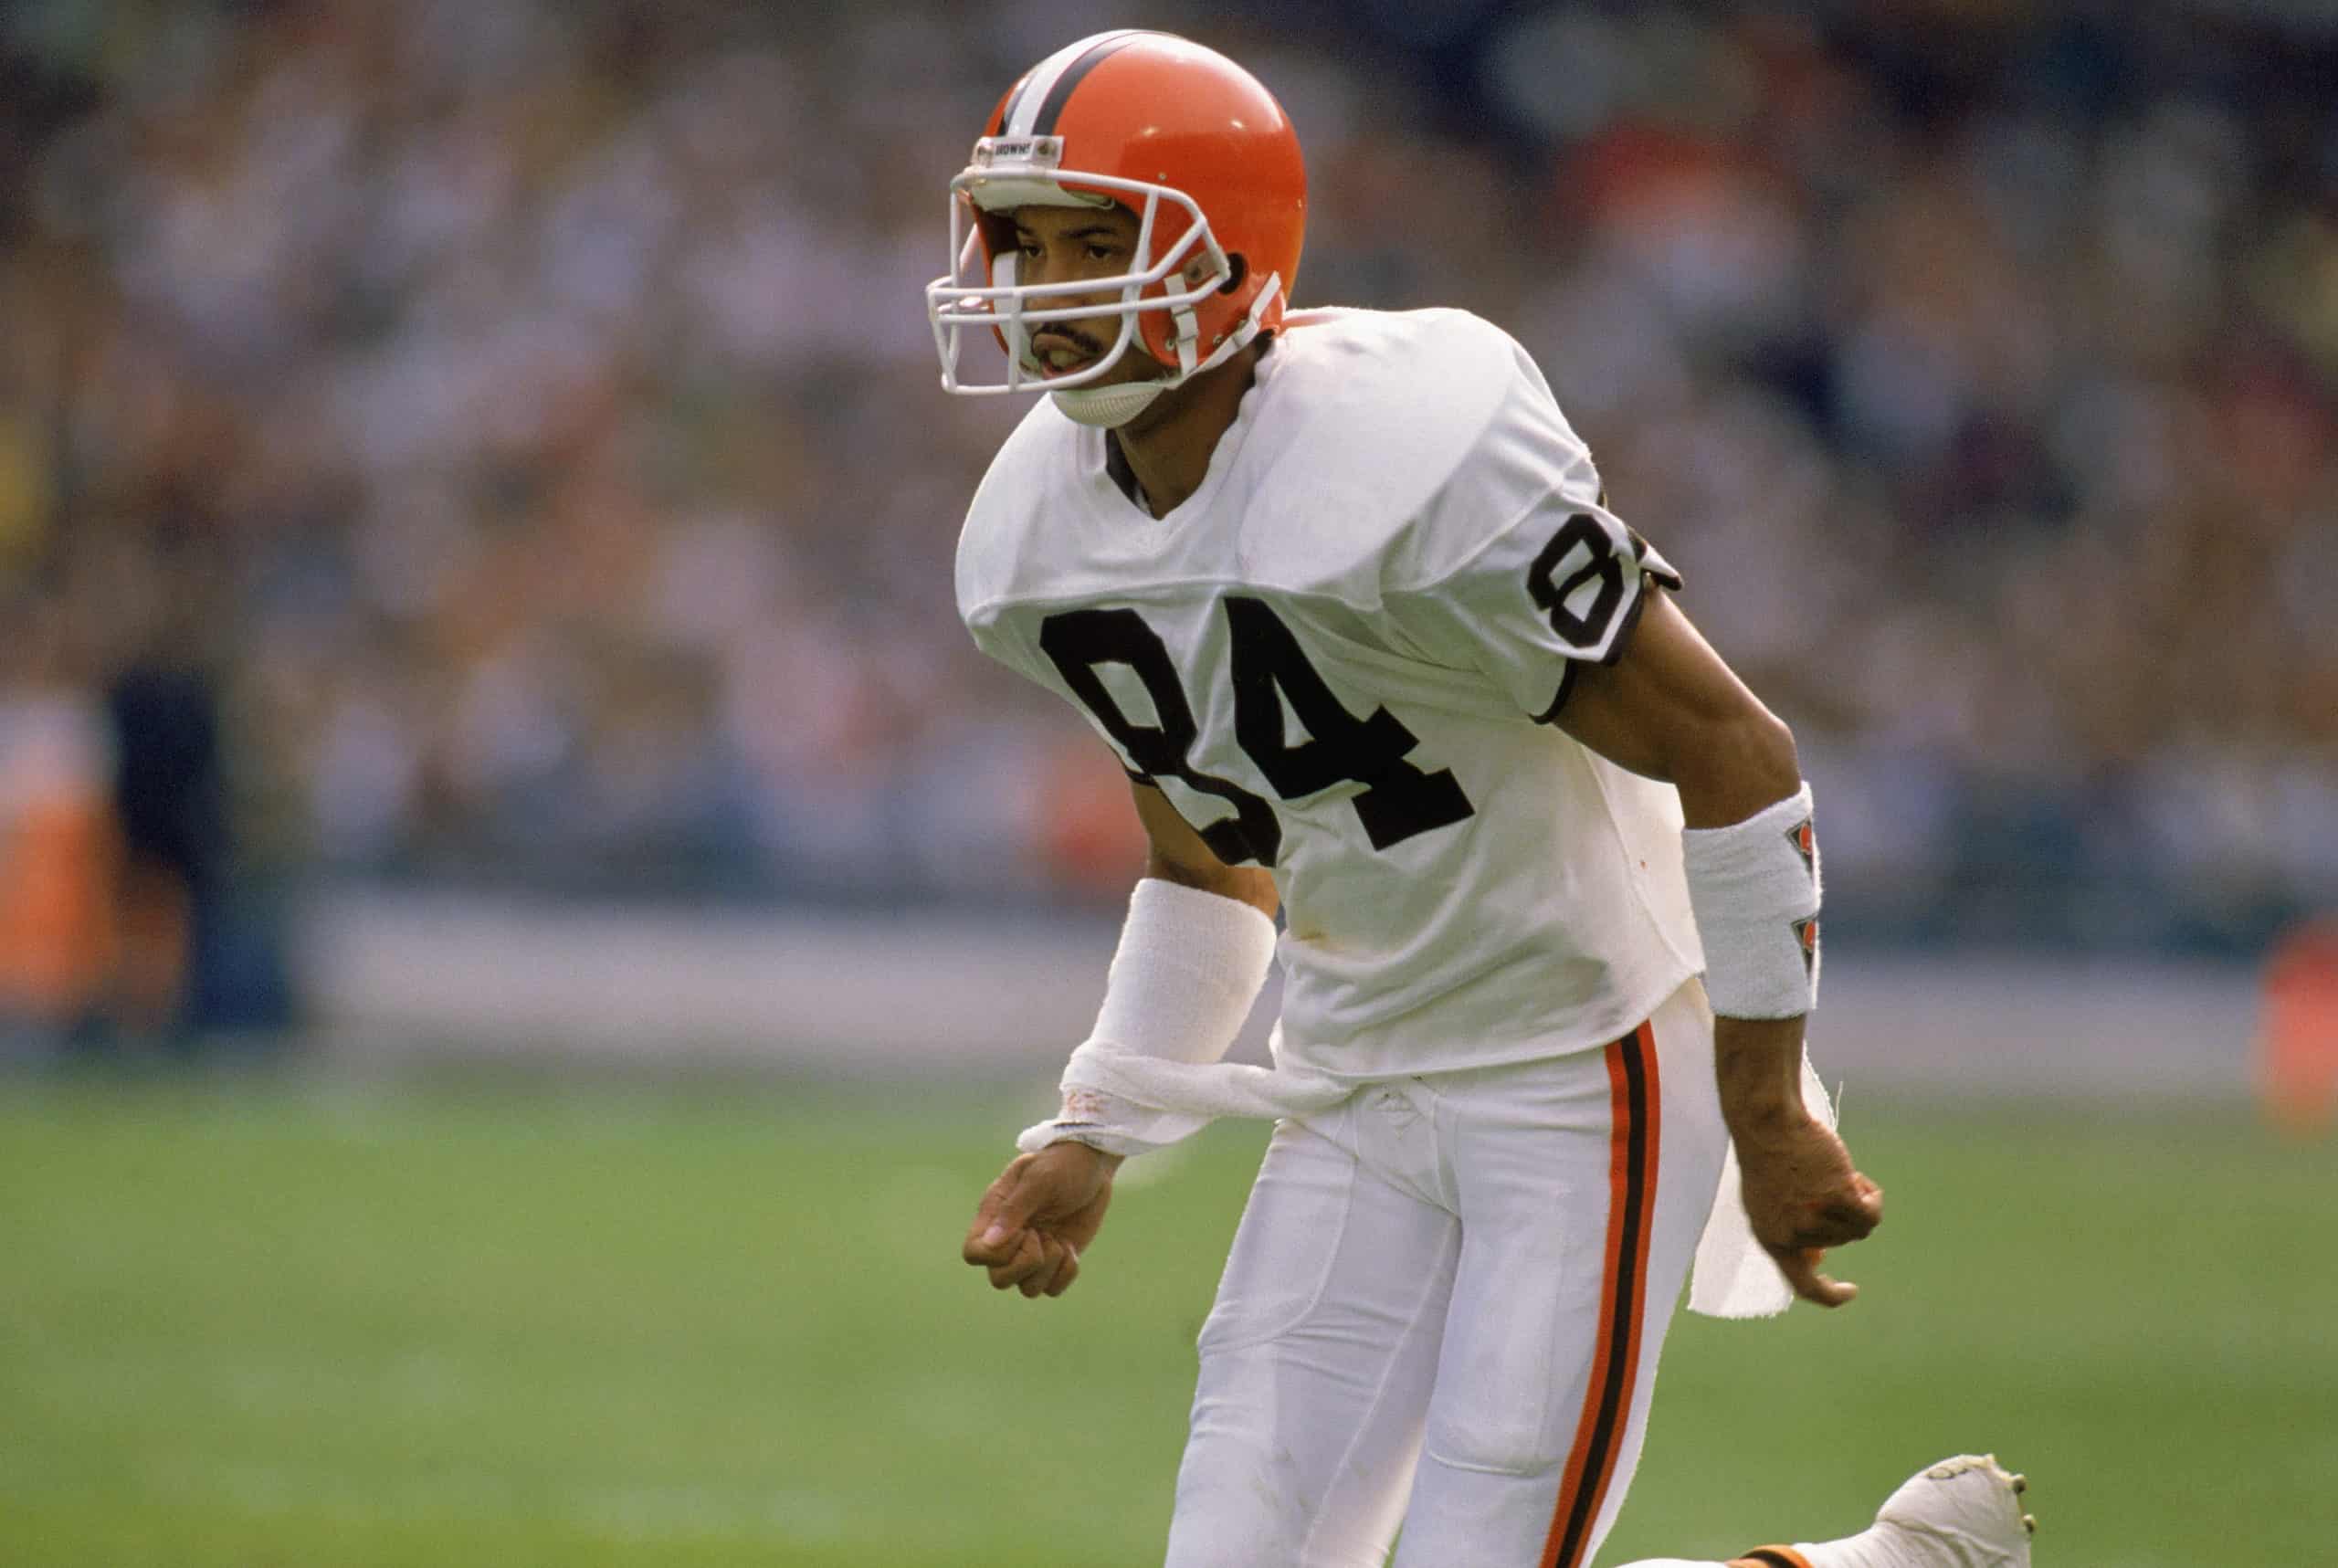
1634	1097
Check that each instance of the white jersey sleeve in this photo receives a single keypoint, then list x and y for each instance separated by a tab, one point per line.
1516	568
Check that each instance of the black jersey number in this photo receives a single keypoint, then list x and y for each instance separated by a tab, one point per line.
1400	800
1080	640
1269	667
1581	545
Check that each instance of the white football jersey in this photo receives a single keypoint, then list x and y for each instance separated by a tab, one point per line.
1331	659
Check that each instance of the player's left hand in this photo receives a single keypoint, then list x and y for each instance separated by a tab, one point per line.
1804	1195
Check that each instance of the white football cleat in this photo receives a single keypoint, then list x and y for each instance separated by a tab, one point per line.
1959	1513
1964	1511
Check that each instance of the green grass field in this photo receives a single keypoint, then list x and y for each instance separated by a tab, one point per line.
487	1322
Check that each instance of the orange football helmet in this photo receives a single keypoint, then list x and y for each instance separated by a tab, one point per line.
1188	142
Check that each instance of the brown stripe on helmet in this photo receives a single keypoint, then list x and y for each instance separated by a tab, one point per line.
1052	109
1005	115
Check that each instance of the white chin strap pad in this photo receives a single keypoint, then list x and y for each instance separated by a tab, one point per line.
1110	407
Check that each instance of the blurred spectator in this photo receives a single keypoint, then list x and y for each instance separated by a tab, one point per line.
543	389
169	799
58	851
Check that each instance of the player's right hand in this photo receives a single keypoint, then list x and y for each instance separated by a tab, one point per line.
1035	1221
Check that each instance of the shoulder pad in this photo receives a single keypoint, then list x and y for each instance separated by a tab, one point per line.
1371	415
1016	492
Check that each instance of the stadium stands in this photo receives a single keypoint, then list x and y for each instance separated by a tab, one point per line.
536	404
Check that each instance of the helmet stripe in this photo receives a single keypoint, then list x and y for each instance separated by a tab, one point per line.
1038	91
1007	108
1060	94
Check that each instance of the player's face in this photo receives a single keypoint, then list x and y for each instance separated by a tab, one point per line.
1064	245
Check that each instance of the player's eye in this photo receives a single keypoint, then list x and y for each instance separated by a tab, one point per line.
1097	252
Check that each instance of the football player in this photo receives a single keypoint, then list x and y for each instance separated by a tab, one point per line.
1343	594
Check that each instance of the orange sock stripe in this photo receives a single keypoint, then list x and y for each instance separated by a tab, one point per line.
1615	1361
1774	1557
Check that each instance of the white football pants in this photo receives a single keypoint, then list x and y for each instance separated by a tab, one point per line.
1443	1308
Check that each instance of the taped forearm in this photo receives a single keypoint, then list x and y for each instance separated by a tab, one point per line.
1189	966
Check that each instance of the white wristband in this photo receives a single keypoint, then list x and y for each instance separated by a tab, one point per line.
1189	966
1754	889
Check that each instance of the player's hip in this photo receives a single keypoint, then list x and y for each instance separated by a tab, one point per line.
1589	1084
1527	1014
1549	1130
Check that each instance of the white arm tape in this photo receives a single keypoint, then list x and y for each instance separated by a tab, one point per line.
1189	968
1754	889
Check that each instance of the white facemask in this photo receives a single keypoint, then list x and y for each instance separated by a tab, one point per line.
983	296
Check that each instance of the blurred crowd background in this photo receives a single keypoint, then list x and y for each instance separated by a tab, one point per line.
497	443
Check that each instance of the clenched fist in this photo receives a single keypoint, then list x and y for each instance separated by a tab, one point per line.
1035	1221
1803	1196
1801	1192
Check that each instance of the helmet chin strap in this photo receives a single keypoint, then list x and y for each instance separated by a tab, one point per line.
1110	407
